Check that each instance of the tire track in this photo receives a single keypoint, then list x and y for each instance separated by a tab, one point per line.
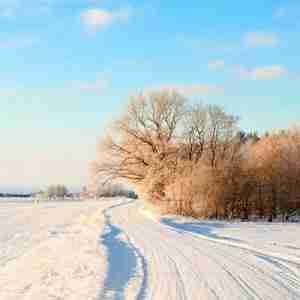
126	265
186	266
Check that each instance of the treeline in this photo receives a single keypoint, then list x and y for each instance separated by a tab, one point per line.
111	190
193	159
56	191
10	195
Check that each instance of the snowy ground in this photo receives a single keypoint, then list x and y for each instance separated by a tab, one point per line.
114	249
51	251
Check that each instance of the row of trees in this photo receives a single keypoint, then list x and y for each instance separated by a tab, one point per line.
192	159
111	189
58	191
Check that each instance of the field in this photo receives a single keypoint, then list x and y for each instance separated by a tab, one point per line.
115	249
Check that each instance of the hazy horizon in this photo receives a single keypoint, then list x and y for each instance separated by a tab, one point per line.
21	189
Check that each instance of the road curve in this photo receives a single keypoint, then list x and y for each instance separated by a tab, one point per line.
164	261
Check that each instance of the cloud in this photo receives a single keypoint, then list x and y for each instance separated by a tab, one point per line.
218	64
16	8
97	87
260	39
280	12
256	73
262	73
191	90
249	40
8	92
289	11
8	8
18	42
196	43
96	19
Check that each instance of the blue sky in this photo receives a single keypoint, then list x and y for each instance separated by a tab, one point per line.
67	67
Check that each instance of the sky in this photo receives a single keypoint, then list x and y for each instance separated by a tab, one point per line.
69	66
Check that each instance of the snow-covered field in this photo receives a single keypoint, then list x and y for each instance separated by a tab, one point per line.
114	249
51	251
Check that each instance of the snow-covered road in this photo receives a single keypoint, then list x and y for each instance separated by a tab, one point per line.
114	249
177	258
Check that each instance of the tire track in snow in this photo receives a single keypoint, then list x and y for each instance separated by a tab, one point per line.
187	266
126	265
179	228
284	274
287	269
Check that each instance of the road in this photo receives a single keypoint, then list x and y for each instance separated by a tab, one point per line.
184	261
115	249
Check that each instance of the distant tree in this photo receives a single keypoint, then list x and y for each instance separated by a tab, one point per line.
57	191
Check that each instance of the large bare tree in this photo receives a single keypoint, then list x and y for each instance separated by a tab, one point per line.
142	137
160	139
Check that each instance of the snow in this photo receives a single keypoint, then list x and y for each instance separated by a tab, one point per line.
117	249
51	251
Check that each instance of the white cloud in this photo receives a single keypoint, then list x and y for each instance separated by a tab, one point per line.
260	39
16	8
217	64
192	89
96	19
8	92
18	42
196	43
280	12
290	10
249	40
8	8
262	73
97	87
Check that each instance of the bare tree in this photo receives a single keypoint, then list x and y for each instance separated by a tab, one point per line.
142	137
193	160
57	191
